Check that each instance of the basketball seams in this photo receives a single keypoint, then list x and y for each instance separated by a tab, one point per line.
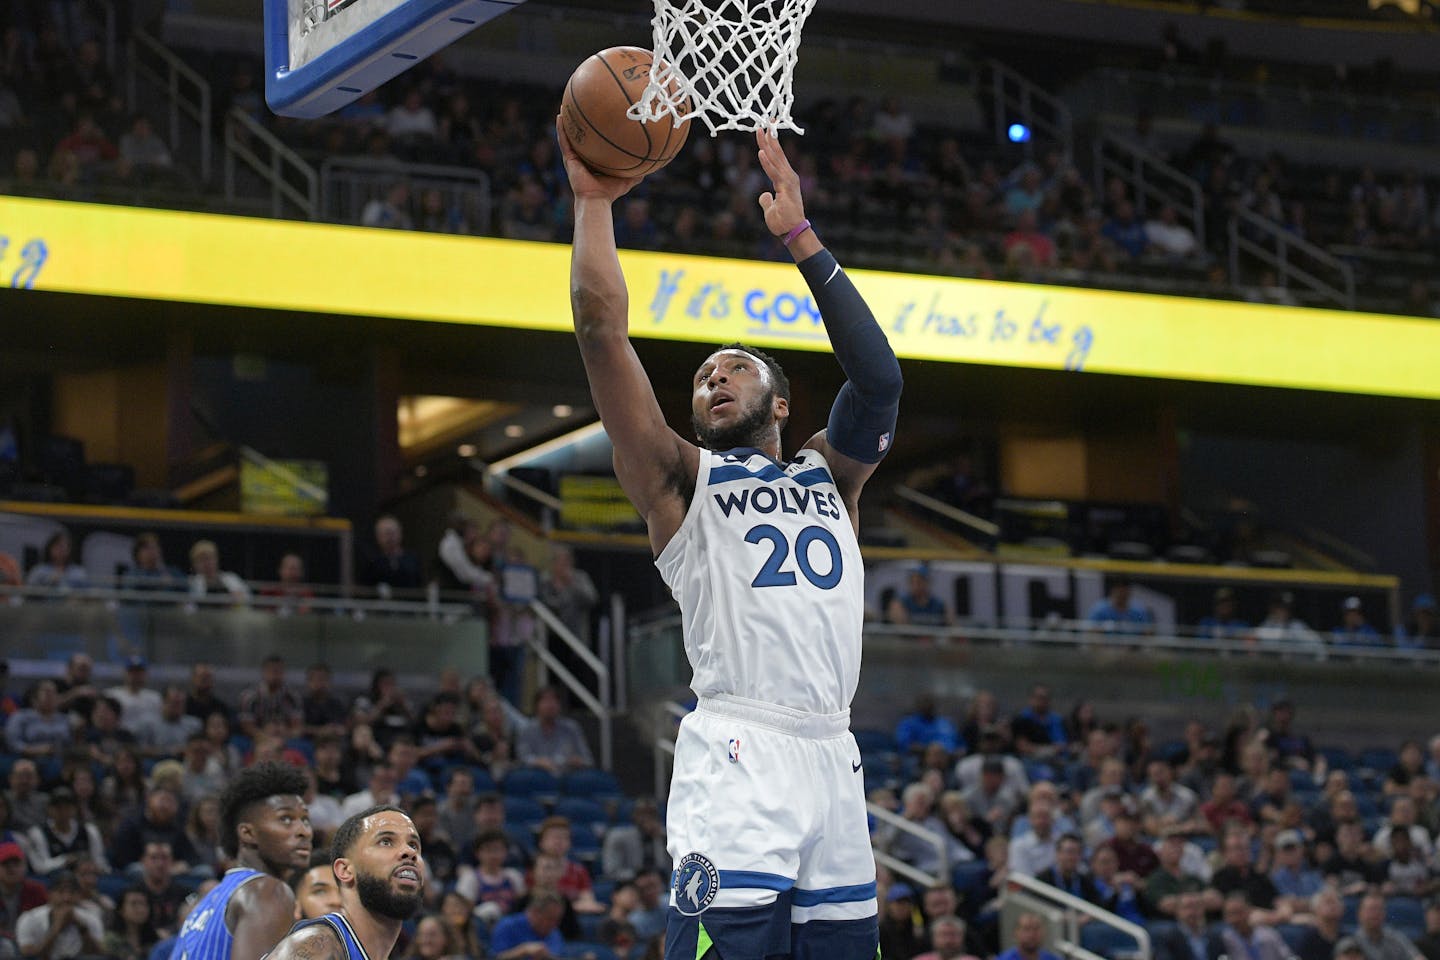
608	155
624	92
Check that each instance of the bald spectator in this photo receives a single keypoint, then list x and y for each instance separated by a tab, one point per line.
1033	853
390	564
947	940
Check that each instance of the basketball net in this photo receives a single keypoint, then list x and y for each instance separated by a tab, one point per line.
728	63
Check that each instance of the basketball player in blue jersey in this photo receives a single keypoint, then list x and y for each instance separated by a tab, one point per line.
266	829
766	817
375	856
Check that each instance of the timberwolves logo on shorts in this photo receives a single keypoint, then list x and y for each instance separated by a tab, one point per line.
696	883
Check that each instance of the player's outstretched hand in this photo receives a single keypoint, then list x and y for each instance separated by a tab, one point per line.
785	208
585	182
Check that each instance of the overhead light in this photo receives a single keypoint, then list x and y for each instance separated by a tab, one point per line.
467	450
562	410
421	470
514	431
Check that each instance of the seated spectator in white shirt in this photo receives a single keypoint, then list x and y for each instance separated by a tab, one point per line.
552	741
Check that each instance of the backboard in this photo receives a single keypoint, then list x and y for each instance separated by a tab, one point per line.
322	54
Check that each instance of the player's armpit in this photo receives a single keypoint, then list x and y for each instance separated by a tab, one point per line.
313	943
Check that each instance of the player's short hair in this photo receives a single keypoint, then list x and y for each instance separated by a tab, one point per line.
349	831
777	372
255	785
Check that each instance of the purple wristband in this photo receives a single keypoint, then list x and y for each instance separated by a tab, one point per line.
798	229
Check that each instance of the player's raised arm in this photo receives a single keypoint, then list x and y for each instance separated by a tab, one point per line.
654	465
862	419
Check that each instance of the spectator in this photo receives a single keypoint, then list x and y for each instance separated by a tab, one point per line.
1402	818
1029	940
140	147
1282	628
1117	887
225	757
917	605
392	212
993	798
1167	236
410	779
207	579
494	887
148	569
1429	944
440	860
569	593
924	727
636	228
131	935
56	571
201	701
157	879
1027	247
533	934
271	701
384	708
1224	807
41	730
76	687
1295	881
123	789
1376	940
323	714
552	741
391	564
167	734
947	940
439	736
457	808
900	935
1067	873
28	805
1169	880
1037	729
917	806
1167	806
1244	938
553	839
1188	938
1354	631
1422	631
639	845
61	928
18	894
1033	853
381	790
290	592
1132	856
1292	749
651	904
412	119
1409	766
1406	875
63	840
139	705
158	826
1222	623
434	940
1118	614
1320	939
1238	875
1125	231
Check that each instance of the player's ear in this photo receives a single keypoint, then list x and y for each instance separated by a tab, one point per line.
245	831
781	408
344	871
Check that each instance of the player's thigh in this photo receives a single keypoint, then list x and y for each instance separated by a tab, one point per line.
836	880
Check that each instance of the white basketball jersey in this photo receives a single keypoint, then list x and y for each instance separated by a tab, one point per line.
767	572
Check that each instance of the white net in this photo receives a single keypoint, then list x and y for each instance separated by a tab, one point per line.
728	63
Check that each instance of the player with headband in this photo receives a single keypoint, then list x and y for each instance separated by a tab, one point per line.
766	816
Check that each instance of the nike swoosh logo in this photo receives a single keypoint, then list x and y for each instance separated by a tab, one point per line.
855	767
827	283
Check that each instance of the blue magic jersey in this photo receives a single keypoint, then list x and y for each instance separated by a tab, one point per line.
767	572
205	935
354	949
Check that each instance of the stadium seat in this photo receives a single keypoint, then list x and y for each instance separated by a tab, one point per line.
1293	934
970	878
530	782
582	812
114	885
1338	758
1407	914
1301	780
1352	912
1378	759
585	847
1036	771
1107	941
524	810
603	890
590	925
596	784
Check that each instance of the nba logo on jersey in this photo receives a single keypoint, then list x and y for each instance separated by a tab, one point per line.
696	883
734	748
884	442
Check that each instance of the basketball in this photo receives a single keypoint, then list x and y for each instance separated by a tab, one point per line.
593	111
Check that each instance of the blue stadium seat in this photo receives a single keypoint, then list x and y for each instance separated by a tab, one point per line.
114	885
582	812
877	741
1293	934
590	925
524	810
1172	750
1365	805
599	785
7	760
603	890
1379	759
530	782
1301	780
1338	758
970	878
1106	941
1036	771
1352	911
621	810
585	847
588	950
1407	914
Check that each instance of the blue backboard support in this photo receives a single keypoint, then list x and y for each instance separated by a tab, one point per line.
360	59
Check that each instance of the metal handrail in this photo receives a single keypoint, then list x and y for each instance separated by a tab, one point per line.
462	184
950	511
180	596
664	744
1074	907
1280	260
1028	96
281	159
598	705
897	822
196	107
1141	169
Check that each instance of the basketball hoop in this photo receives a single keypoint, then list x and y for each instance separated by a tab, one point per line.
728	63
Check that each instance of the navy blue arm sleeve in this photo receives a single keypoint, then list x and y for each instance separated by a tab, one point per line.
862	419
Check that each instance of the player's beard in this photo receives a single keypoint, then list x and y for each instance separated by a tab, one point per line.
377	897
749	431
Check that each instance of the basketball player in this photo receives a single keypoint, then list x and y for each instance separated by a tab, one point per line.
767	824
265	827
376	859
315	890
